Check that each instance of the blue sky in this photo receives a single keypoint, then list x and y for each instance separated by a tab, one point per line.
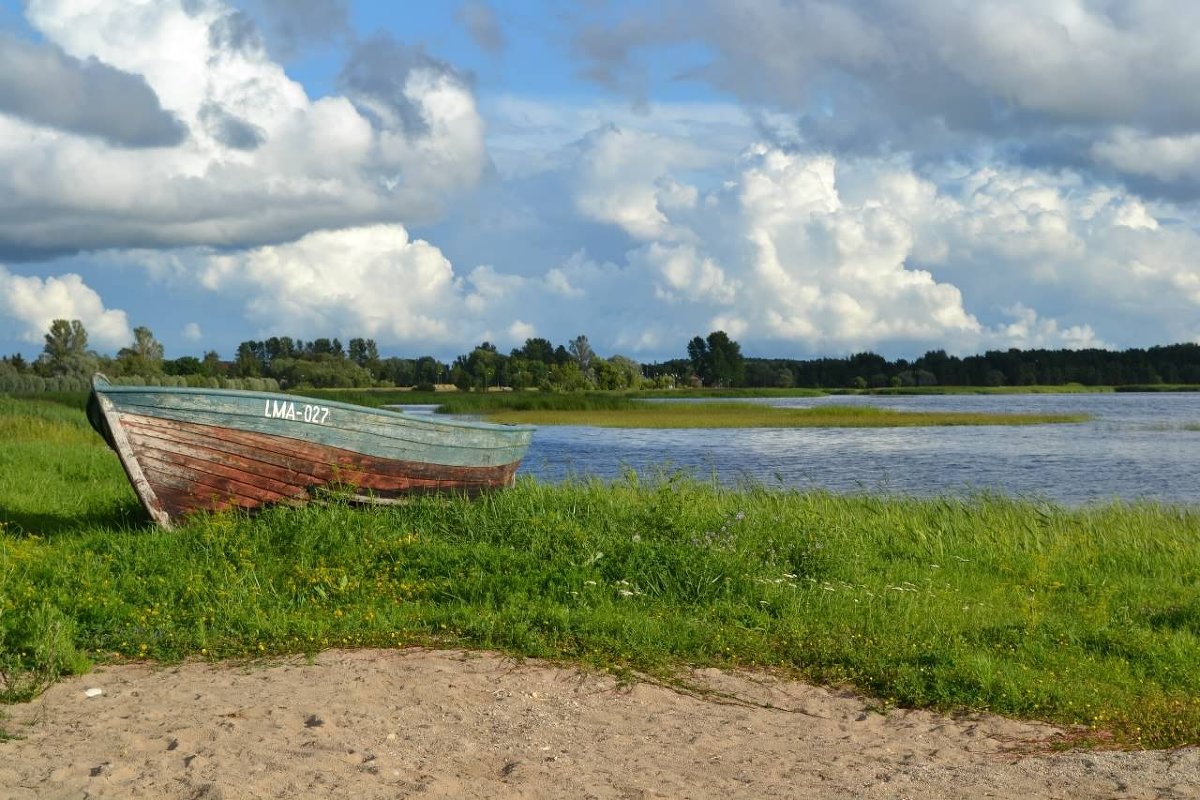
813	178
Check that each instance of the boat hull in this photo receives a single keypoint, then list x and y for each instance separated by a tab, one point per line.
189	450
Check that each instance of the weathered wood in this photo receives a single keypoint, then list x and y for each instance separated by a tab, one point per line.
377	432
131	466
217	453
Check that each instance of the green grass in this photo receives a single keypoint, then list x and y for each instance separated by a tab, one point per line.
1160	387
734	392
524	402
749	415
1088	616
54	466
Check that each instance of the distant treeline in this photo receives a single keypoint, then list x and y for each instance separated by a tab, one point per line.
536	364
67	363
1177	363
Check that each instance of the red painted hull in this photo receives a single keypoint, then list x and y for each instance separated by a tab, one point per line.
194	467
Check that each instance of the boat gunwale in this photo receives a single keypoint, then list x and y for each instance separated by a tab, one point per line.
109	388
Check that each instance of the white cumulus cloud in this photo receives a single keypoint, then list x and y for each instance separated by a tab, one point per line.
808	252
30	304
371	281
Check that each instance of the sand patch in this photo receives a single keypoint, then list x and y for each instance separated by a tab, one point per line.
400	723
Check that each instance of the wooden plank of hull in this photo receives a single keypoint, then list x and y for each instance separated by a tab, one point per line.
190	467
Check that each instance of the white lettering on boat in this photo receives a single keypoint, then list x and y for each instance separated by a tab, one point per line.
286	409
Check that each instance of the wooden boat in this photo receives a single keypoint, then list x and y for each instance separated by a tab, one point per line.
188	450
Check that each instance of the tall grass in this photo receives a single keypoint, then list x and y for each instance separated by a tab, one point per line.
1160	387
727	392
623	410
1088	616
521	402
749	415
54	467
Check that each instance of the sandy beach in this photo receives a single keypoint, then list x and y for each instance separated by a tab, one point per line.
387	724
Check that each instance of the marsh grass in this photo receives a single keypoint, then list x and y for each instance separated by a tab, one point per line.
625	410
750	415
524	402
1086	617
726	392
1160	387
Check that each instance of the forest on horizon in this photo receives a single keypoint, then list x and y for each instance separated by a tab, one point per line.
281	362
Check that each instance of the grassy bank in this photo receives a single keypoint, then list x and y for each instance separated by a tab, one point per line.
1160	387
1083	617
1088	617
748	415
728	392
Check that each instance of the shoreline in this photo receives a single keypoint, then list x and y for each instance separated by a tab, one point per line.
388	723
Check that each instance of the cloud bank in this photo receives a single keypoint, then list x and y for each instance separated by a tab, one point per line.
261	161
1062	82
789	252
862	175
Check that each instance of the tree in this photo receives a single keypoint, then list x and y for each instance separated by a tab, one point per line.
212	365
728	365
429	371
396	371
607	376
581	351
143	357
567	378
484	365
717	360
66	350
247	364
280	347
184	365
459	375
325	347
363	352
324	372
629	369
519	372
697	351
536	349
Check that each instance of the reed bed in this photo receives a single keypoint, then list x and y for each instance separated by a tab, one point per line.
1087	617
524	402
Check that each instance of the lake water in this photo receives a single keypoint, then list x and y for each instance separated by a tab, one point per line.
1136	447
